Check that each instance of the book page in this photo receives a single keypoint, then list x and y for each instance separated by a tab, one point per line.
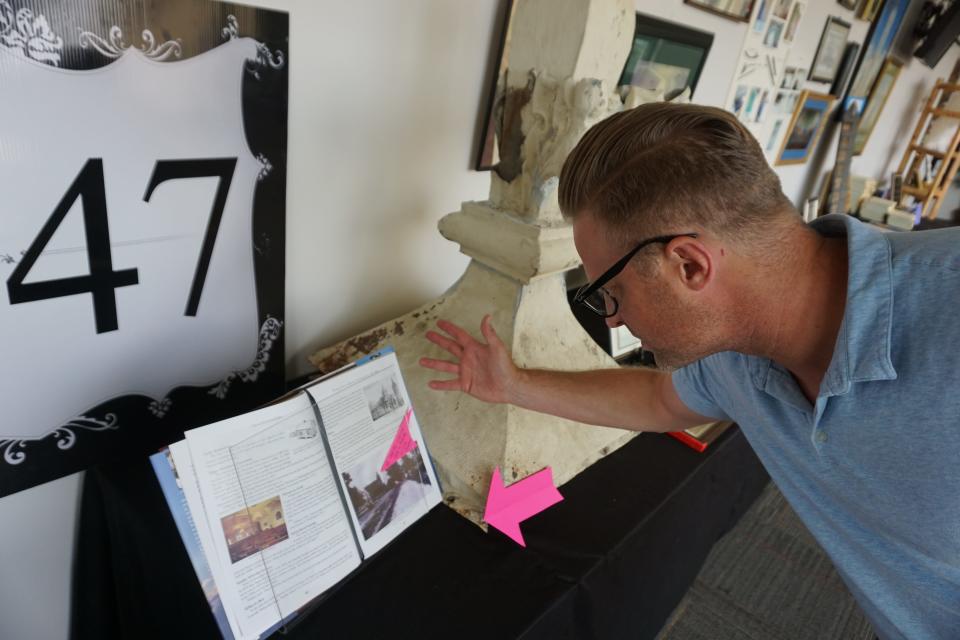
200	544
363	410
273	509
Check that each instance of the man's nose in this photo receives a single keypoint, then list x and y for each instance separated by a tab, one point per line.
614	321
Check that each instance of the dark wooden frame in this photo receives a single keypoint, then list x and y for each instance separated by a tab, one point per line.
729	16
656	28
831	20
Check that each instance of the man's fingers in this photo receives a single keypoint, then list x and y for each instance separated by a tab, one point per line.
489	333
440	365
458	334
445	343
445	385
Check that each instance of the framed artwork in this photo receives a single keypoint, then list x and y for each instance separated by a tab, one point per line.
879	42
774	31
805	127
846	67
488	155
781	8
833	41
142	239
875	103
761	20
867	9
738	10
795	14
665	57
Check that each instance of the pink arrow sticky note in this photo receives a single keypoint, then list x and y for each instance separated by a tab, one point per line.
507	507
403	443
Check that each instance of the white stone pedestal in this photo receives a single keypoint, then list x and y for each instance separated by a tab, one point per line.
565	59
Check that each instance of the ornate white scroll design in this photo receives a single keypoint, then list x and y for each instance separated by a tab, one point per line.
114	46
265	58
14	451
269	332
29	35
265	167
159	408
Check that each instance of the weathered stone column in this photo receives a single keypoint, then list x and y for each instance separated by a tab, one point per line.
565	59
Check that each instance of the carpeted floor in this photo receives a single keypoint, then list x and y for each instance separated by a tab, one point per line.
767	579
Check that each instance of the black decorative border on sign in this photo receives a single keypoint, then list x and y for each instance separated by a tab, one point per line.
89	34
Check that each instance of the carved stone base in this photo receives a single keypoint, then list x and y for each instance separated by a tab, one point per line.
468	438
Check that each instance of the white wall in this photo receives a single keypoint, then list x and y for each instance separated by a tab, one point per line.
384	102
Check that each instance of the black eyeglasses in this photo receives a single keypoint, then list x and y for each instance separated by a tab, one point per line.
594	297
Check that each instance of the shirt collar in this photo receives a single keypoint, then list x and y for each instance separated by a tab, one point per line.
862	351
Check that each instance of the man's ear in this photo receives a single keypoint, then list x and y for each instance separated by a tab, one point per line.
691	261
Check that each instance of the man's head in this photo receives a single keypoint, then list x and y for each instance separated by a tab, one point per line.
663	169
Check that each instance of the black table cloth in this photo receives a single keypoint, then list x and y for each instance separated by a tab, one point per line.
610	561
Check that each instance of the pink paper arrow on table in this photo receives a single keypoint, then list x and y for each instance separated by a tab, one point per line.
403	442
507	507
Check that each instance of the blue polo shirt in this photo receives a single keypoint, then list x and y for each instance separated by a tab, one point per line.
873	467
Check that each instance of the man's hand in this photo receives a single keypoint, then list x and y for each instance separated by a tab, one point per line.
483	370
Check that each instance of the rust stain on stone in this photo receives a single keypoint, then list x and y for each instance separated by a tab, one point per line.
352	349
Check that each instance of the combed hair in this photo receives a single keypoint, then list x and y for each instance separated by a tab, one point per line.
661	168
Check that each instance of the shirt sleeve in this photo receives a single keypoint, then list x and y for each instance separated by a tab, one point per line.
692	384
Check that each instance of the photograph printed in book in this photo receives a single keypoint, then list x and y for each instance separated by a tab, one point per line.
379	497
383	397
254	528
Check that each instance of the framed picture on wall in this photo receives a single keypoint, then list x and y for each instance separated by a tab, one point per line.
879	42
846	67
488	155
795	14
875	103
738	10
867	9
833	40
665	57
805	127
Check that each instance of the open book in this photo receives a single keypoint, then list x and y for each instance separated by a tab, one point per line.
278	505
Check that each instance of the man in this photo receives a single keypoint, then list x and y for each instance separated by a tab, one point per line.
834	346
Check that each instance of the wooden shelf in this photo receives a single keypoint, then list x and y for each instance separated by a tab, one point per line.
931	194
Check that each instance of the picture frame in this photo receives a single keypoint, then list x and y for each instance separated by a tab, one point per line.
867	9
665	57
781	9
833	41
487	157
796	13
846	67
882	89
806	124
877	46
736	10
774	31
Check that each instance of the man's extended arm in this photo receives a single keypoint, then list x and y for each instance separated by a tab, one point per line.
638	399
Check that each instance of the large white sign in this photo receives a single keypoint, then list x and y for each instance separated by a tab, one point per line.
125	231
